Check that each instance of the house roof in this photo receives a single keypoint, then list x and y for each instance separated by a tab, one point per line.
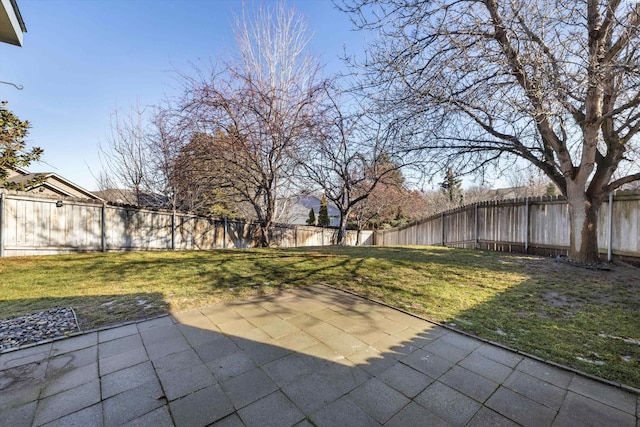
50	181
128	197
117	195
11	23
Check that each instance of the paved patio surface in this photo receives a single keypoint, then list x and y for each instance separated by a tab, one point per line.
315	356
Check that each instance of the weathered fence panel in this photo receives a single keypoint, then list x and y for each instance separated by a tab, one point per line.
307	236
625	232
32	225
549	225
459	230
500	226
538	226
40	226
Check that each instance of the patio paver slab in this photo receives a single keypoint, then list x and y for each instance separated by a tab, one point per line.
579	410
201	408
379	400
450	405
273	410
340	410
520	409
414	415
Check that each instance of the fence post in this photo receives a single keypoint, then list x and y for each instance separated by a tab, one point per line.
475	243
2	206
442	224
224	234
103	226
526	226
610	242
173	230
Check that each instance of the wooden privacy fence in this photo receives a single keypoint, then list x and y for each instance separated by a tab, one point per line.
31	225
537	226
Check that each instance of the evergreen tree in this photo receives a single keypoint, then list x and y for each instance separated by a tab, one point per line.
13	153
323	213
312	217
451	187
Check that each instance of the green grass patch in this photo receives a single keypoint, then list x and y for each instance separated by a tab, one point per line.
582	318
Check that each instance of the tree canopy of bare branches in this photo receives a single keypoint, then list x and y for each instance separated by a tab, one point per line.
260	104
554	82
139	159
352	152
125	158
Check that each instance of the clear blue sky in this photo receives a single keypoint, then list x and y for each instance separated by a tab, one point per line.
83	58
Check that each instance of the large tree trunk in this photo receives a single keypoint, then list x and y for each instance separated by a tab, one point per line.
342	229
264	236
583	220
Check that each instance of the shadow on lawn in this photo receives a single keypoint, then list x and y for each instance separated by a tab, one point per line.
409	254
221	269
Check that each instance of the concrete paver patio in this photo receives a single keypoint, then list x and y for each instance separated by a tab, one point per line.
314	356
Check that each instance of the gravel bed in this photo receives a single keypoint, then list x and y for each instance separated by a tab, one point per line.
35	327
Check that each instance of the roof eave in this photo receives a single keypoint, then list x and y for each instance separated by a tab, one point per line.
12	25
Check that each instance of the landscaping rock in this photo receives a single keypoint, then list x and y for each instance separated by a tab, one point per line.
35	327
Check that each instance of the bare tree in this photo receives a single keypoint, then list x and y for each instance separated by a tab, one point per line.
137	161
554	82
125	158
261	103
351	154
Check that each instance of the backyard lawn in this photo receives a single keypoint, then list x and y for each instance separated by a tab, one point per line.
582	318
